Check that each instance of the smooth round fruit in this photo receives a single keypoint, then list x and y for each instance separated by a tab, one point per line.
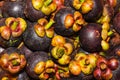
90	37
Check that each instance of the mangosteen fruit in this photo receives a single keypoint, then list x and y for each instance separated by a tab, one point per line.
87	62
12	60
107	68
68	22
90	37
91	9
36	9
37	36
13	9
39	65
11	31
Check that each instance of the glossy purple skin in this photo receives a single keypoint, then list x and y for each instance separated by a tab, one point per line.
90	37
116	22
13	9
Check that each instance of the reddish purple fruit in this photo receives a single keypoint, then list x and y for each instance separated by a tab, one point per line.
90	37
113	63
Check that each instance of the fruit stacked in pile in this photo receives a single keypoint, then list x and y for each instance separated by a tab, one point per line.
59	39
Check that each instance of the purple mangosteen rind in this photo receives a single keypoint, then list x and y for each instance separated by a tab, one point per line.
33	41
90	37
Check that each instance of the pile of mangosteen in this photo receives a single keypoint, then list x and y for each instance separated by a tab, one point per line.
59	40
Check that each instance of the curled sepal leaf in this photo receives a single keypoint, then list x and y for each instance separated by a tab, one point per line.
74	67
87	6
69	48
79	21
42	21
49	64
64	60
50	33
69	21
39	30
77	4
47	10
76	27
37	4
87	69
105	45
58	40
5	32
44	76
106	26
39	67
104	34
80	56
9	20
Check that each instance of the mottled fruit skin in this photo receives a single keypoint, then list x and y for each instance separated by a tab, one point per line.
33	41
116	23
33	60
90	37
59	22
13	9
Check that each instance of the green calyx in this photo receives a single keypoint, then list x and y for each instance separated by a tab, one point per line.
15	63
58	52
82	1
47	2
12	42
14	25
49	24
